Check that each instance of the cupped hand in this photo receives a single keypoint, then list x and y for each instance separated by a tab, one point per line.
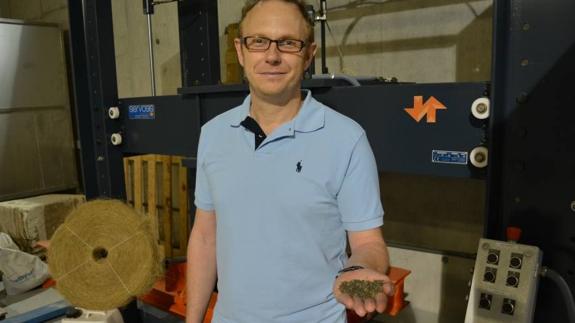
367	305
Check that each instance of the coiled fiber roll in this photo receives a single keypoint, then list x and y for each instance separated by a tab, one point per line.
103	255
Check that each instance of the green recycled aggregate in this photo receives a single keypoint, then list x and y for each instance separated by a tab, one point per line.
363	289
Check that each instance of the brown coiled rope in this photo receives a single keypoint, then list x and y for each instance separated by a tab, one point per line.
103	255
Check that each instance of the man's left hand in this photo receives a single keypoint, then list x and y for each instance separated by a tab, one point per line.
364	306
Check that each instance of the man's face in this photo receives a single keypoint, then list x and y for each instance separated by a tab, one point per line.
272	73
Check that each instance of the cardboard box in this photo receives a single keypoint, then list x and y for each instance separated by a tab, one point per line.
32	219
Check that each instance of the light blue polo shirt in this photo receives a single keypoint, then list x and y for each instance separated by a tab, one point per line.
282	211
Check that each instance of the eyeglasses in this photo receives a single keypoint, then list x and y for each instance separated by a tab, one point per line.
260	44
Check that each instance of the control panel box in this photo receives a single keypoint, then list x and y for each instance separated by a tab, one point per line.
504	284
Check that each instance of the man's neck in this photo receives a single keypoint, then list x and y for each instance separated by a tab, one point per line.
270	113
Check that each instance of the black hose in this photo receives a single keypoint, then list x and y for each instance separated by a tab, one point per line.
564	289
352	81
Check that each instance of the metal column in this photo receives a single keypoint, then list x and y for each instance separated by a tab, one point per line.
199	42
95	90
531	172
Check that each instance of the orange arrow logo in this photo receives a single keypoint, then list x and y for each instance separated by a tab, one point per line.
428	108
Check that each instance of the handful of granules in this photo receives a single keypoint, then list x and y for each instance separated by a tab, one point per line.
363	289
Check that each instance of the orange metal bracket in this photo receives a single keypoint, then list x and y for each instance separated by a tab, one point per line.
397	302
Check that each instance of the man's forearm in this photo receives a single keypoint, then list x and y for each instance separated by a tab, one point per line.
200	276
371	255
368	250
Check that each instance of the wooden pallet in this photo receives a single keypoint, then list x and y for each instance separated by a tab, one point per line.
157	186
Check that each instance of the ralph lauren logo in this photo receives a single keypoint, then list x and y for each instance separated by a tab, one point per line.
298	166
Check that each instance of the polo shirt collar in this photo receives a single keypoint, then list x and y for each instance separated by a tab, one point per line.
310	117
242	112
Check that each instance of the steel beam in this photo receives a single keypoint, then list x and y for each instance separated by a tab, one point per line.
95	90
530	179
199	42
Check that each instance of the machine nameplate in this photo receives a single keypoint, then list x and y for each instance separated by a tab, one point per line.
142	112
449	157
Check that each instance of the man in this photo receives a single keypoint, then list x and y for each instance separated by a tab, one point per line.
281	179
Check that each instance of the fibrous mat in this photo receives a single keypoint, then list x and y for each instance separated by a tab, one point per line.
103	255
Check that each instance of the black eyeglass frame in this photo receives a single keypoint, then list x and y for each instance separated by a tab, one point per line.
245	39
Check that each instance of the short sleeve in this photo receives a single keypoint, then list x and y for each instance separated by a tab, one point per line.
203	199
358	199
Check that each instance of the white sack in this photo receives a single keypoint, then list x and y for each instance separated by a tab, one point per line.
7	242
21	271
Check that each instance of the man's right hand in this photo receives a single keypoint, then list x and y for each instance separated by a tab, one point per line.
369	305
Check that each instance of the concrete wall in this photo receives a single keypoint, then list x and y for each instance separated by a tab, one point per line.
131	43
413	40
36	139
54	11
130	40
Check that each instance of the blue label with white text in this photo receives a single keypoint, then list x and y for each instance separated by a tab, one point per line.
142	112
449	157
